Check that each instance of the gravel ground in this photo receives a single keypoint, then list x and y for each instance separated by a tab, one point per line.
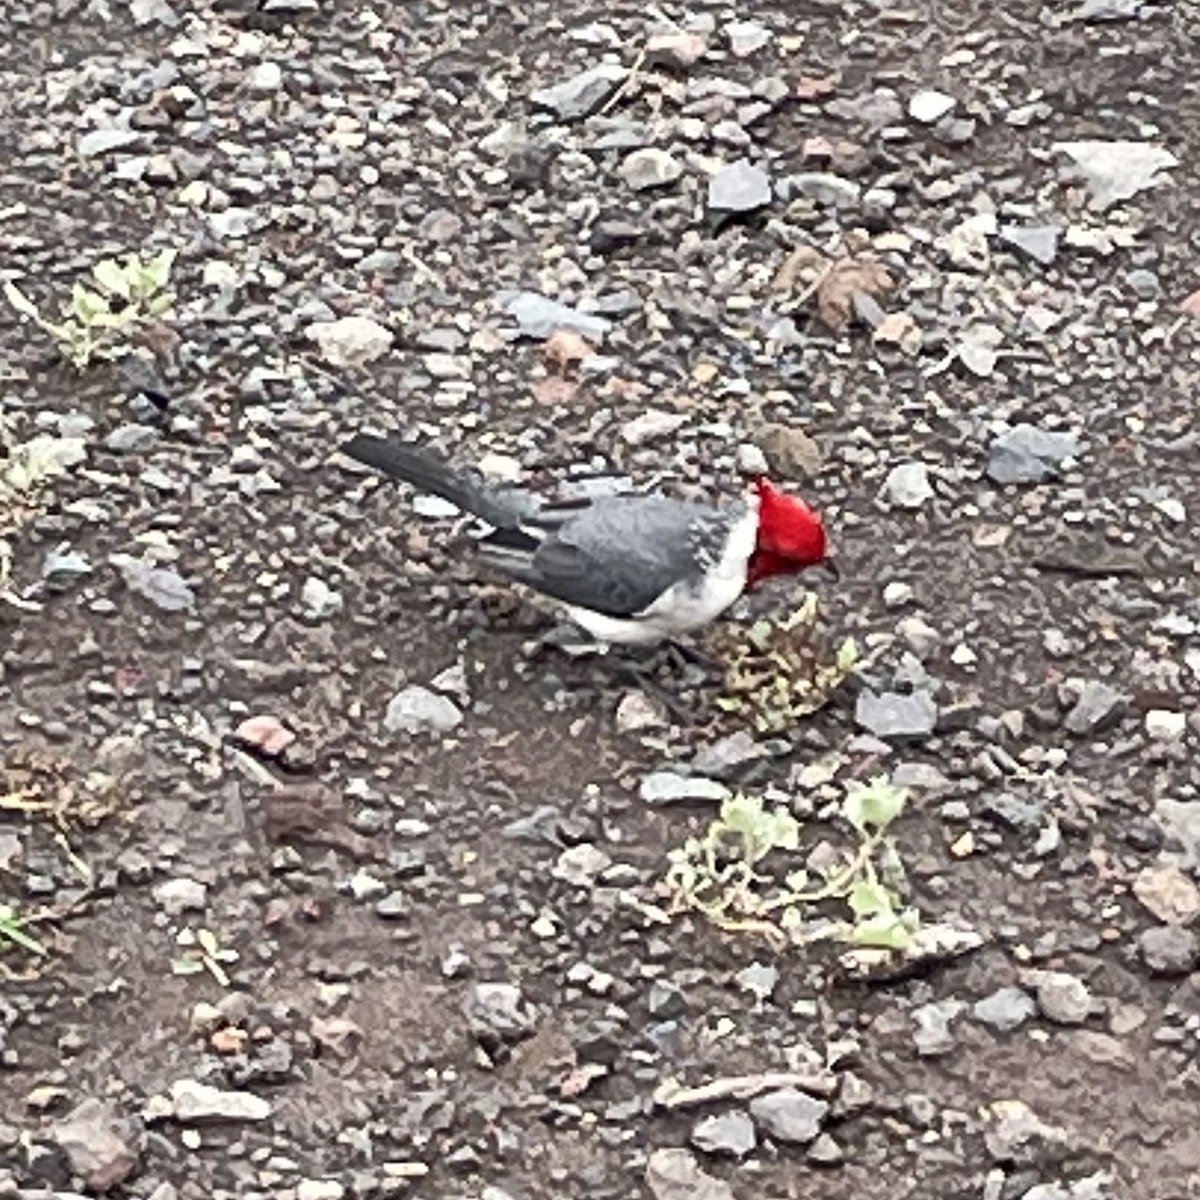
895	251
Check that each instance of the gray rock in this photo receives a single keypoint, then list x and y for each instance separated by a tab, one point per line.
650	168
1039	242
538	316
416	709
129	439
1006	1009
582	94
164	587
739	187
1062	998
176	896
674	1174
745	37
872	109
193	1101
499	1009
907	485
929	106
350	341
101	1146
896	715
728	756
102	141
1097	707
825	1152
729	1133
1097	11
1170	950
1028	454
393	907
1180	821
1146	284
789	1115
933	1035
579	865
759	979
1020	1136
823	188
1117	170
668	787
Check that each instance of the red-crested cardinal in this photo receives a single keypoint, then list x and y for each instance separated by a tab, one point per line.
629	569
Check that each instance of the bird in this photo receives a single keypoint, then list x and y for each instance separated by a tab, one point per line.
630	569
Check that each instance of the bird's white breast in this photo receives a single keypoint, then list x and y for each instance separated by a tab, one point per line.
687	605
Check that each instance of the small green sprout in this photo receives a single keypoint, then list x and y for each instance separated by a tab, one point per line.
13	932
203	953
719	875
97	321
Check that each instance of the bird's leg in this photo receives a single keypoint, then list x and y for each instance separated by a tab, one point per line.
682	655
642	673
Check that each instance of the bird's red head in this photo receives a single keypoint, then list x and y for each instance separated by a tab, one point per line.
791	535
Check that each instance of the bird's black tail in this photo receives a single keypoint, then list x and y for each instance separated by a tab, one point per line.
427	471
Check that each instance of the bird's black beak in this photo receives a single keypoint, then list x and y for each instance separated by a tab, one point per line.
831	568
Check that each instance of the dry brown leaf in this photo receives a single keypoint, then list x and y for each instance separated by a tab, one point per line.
564	348
835	294
805	262
554	390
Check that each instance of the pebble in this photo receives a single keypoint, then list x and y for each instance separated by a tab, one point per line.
416	709
930	106
1039	242
193	1101
177	896
350	341
674	1174
100	1144
933	1035
580	864
668	787
1165	725
1029	454
650	168
539	317
1169	894
1005	1009
908	486
896	715
1062	998
789	1115
745	37
730	1133
582	94
1117	170
831	191
1170	950
1097	707
739	187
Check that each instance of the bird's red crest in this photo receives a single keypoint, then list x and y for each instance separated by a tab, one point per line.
791	535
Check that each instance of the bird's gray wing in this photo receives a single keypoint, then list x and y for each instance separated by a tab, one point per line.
615	555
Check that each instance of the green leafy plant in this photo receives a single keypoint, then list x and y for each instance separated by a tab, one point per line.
774	675
13	932
97	321
720	874
203	952
26	468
